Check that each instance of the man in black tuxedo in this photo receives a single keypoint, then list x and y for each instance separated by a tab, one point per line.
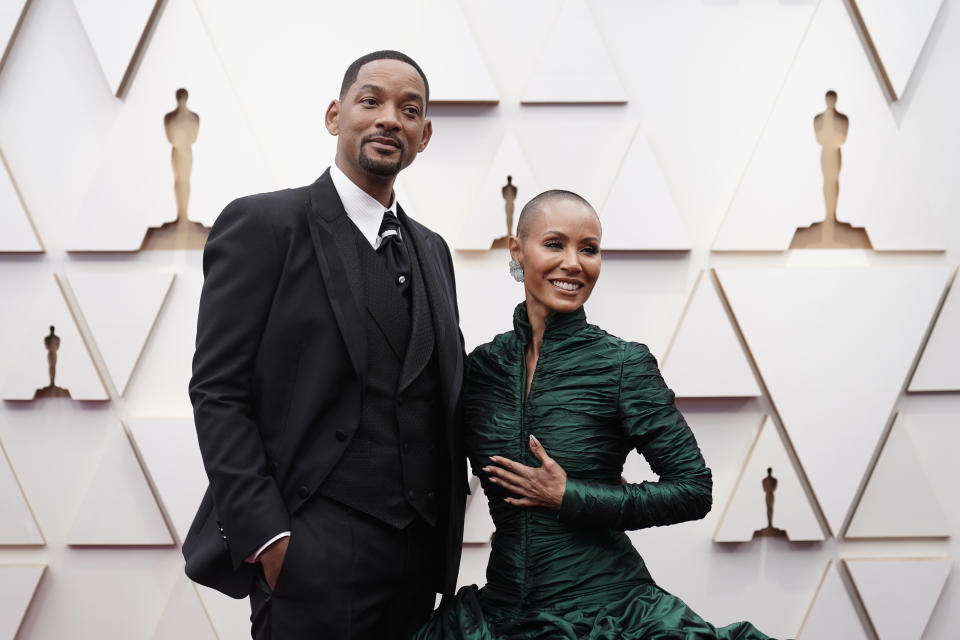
325	387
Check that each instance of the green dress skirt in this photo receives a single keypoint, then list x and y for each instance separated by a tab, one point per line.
574	573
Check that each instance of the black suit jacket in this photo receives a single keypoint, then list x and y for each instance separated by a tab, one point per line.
279	370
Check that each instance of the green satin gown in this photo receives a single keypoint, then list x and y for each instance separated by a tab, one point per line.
574	573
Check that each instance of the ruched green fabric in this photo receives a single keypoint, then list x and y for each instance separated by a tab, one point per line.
575	574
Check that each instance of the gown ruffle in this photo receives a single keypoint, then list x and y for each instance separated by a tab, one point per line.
575	573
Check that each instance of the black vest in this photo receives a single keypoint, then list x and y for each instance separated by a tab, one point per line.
390	469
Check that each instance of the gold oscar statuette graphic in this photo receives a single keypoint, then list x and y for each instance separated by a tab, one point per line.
769	483
831	128
509	193
51	343
182	127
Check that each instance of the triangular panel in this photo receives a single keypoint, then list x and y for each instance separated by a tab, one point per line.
28	369
831	614
119	509
899	594
706	359
11	13
745	512
18	584
448	53
899	501
898	31
478	526
171	458
120	331
937	369
18	526
783	187
640	212
133	188
834	347
488	218
184	616
575	65
16	230
115	30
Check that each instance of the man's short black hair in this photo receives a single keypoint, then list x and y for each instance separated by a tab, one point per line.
350	76
537	202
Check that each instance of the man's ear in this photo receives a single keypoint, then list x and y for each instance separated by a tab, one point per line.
427	134
332	117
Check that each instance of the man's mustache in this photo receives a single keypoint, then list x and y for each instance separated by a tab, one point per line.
387	135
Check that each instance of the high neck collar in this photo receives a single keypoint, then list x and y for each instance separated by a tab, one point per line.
558	326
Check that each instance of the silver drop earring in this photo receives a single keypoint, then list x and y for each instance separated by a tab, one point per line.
516	270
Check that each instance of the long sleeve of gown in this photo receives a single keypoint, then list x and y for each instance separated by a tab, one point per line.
656	429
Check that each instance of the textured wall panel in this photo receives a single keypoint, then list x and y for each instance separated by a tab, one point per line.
133	188
27	369
833	382
832	614
115	30
899	594
898	30
782	188
120	332
745	511
574	64
705	359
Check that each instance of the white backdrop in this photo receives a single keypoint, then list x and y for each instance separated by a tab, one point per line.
694	83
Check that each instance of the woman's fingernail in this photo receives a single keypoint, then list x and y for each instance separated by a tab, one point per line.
534	440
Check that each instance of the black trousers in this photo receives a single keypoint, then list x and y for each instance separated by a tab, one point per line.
348	576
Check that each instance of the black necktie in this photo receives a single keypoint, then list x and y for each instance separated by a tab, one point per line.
394	252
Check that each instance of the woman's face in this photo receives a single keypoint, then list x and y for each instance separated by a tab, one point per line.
560	256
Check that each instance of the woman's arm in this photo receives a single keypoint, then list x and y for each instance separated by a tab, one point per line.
658	431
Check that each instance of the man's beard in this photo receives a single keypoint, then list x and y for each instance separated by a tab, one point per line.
380	167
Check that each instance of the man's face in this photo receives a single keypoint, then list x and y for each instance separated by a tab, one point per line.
381	121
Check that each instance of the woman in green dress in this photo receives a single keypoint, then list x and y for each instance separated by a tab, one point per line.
551	410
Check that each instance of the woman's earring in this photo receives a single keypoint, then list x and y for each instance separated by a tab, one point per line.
516	270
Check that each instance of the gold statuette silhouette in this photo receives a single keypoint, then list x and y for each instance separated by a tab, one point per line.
509	193
831	127
182	127
51	343
769	486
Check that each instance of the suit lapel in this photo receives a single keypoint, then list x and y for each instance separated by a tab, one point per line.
337	258
420	347
442	313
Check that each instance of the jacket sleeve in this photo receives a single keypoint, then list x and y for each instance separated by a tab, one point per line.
656	429
242	263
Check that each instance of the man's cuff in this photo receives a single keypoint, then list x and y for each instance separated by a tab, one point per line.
253	557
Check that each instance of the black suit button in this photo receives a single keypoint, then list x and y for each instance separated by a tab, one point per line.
399	400
340	435
406	448
303	492
431	495
411	494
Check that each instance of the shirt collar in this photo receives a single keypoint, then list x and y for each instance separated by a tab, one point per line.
362	208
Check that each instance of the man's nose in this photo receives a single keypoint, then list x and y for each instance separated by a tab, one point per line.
389	117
